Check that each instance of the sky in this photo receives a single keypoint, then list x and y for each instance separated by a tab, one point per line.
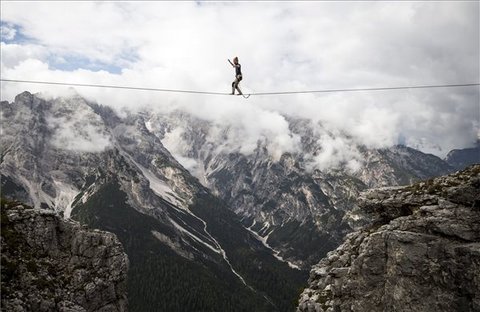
282	46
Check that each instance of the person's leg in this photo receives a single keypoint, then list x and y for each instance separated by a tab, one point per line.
238	89
237	82
233	87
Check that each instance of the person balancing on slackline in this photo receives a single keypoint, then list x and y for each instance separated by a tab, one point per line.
238	75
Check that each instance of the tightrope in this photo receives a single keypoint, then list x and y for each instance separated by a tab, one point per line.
247	95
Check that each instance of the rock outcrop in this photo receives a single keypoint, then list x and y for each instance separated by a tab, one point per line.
51	264
420	253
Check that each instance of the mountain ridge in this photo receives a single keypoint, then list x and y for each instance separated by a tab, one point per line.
299	211
136	177
250	219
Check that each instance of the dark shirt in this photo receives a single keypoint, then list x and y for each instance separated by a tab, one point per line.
238	70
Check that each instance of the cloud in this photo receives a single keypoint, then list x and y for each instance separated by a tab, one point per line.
14	54
178	147
336	151
240	128
282	46
77	128
235	131
69	136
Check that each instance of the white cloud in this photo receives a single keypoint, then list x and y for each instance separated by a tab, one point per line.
13	54
69	136
334	151
247	125
176	145
77	128
282	46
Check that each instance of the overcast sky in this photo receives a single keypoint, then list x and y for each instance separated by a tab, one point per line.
282	46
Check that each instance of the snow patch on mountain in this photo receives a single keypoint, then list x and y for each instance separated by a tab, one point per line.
218	249
65	195
160	187
36	194
264	239
195	237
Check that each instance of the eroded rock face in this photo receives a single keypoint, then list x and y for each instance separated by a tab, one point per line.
421	252
51	264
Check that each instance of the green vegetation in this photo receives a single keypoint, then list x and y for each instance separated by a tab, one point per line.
306	237
10	190
158	278
260	269
9	235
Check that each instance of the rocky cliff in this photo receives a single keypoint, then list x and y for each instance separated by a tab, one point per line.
51	264
420	253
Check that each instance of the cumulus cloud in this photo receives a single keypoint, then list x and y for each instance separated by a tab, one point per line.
282	46
16	54
246	125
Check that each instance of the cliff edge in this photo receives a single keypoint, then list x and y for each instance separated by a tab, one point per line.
420	253
51	264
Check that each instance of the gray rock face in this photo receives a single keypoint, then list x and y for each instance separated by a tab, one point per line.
462	158
286	201
51	264
42	167
421	252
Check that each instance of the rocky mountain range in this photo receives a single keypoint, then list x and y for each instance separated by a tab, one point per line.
299	212
187	250
234	231
421	252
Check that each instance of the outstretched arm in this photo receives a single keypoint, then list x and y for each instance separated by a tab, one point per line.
231	63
